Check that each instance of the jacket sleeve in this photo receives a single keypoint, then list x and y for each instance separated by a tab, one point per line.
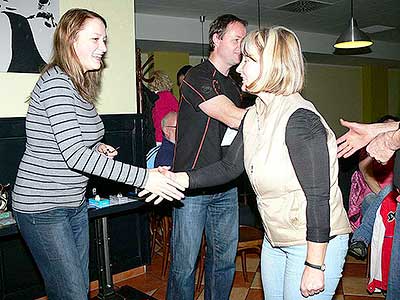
306	139
223	171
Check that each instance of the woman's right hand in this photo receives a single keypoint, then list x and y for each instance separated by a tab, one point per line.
161	187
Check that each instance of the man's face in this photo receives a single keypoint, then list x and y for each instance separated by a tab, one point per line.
170	130
228	47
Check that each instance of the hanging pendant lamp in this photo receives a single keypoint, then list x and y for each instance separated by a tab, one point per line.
353	37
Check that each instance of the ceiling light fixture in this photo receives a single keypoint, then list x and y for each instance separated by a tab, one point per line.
353	37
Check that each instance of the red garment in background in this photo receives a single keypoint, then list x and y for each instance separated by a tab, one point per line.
359	188
165	104
381	244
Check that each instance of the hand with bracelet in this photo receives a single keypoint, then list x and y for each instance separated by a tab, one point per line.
313	279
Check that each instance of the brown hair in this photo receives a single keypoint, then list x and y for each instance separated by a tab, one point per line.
281	60
64	55
219	25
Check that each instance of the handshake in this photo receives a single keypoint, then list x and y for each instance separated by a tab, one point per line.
163	184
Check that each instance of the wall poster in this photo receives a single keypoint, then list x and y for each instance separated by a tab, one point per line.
26	34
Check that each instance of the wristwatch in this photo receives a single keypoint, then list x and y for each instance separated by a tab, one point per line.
318	267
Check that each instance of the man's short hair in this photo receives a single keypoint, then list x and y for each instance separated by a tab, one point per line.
219	25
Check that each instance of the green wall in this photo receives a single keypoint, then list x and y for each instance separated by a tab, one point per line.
170	62
336	91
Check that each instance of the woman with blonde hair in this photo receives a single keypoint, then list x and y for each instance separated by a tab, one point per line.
289	154
63	148
166	103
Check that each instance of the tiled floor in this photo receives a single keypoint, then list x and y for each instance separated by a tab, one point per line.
351	287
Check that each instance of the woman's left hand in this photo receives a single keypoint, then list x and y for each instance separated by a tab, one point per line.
107	150
312	282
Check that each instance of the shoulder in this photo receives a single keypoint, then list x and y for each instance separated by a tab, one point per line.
204	70
305	122
55	75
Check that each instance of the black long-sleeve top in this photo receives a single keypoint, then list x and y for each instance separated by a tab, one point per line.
306	140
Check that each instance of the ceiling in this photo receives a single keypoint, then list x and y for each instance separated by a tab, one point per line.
331	18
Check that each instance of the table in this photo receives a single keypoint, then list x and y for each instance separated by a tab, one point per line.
106	285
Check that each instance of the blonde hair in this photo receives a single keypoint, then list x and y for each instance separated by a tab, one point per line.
64	55
161	82
281	60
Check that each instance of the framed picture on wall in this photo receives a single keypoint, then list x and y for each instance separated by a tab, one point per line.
26	34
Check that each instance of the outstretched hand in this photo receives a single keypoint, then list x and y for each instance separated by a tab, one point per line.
161	187
382	148
358	136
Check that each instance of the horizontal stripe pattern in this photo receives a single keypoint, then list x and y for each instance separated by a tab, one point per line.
62	133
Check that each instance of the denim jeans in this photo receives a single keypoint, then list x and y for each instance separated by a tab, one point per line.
369	207
393	292
218	215
282	269
59	243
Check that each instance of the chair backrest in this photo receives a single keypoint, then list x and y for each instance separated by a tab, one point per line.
151	156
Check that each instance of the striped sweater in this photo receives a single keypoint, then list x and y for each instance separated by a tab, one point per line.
62	134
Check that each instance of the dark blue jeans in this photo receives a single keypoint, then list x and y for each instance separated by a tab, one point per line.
59	243
218	215
369	207
393	292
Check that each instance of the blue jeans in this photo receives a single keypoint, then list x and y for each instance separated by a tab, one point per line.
282	269
218	215
393	292
369	207
59	243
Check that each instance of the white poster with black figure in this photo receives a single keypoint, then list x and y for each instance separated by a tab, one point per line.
26	34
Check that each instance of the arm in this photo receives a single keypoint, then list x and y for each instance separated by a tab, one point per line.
223	171
359	135
223	109
306	142
366	169
384	145
199	89
59	102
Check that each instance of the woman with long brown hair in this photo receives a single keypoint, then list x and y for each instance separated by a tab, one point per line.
63	148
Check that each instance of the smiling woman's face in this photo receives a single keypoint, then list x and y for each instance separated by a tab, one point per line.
90	44
249	68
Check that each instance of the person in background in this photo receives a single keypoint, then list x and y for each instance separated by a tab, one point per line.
63	148
166	102
382	141
289	154
165	154
181	74
379	183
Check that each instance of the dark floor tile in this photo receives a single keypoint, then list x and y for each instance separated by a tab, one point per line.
255	294
160	293
238	280
362	298
354	269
